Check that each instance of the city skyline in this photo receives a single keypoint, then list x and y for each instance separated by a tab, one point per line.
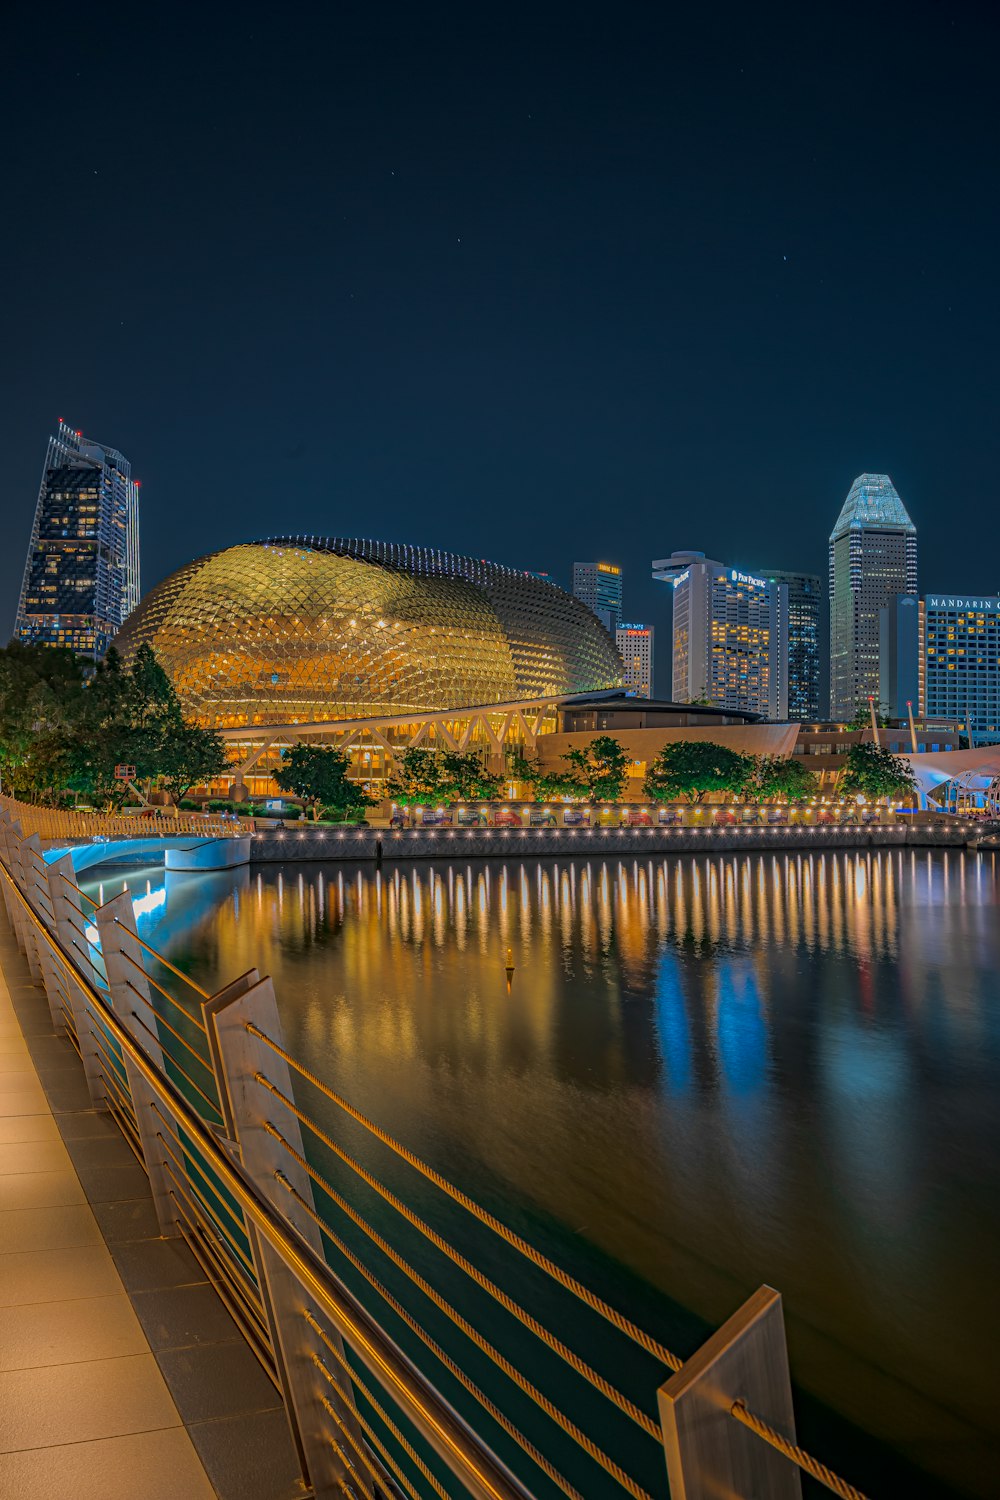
634	282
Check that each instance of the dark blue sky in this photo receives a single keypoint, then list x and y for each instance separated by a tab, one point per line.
527	282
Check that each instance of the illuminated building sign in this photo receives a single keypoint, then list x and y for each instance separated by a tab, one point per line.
607	568
634	629
757	583
681	577
950	601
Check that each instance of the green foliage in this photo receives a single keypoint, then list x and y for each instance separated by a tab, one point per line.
544	784
772	776
692	769
861	715
463	777
188	755
318	775
40	691
594	773
873	773
416	779
600	769
64	728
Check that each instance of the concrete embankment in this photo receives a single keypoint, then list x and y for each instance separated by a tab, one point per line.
498	843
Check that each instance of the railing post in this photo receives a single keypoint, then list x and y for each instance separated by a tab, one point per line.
39	893
22	925
247	1109
130	999
709	1453
71	933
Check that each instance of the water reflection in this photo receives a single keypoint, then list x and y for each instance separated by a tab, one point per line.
717	1071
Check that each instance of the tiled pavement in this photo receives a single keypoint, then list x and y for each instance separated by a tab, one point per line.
121	1374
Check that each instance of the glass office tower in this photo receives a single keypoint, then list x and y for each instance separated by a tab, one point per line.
81	578
598	585
873	557
805	591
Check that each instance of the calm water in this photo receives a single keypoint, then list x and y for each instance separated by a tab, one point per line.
708	1073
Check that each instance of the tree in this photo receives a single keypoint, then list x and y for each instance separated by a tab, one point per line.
544	784
600	769
318	774
190	754
772	776
692	768
861	715
40	691
872	772
416	779
463	777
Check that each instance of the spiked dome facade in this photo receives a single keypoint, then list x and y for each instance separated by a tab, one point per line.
305	629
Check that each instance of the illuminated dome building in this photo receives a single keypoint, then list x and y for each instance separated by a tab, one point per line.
303	630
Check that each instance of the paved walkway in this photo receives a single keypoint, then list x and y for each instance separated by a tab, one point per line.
121	1374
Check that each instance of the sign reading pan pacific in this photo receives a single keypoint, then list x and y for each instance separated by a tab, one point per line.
737	577
952	601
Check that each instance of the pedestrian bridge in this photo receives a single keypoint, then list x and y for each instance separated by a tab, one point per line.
177	853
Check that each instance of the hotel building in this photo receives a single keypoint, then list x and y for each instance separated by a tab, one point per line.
635	647
730	635
942	654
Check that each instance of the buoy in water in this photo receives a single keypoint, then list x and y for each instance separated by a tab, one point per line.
510	968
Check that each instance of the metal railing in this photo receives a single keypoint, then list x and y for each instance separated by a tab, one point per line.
422	1346
64	823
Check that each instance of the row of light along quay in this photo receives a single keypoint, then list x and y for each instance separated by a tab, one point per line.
500	755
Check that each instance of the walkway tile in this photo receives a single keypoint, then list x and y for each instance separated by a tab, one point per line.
40	1190
159	1465
47	1229
54	1275
52	1333
76	1402
17	1128
34	1155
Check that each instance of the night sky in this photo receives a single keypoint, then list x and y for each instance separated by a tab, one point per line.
530	283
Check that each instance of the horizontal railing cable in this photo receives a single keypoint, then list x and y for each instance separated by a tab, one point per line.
194	1019
502	1363
569	1282
383	1416
467	1456
204	994
794	1453
582	1368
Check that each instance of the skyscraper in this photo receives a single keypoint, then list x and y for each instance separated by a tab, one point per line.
804	594
873	557
635	647
81	577
730	635
598	585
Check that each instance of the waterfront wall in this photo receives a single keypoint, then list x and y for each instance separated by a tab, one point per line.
497	843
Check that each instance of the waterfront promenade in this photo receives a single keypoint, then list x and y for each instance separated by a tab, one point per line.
121	1374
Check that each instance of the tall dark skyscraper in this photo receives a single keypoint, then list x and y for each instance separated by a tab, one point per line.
81	578
873	557
805	594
